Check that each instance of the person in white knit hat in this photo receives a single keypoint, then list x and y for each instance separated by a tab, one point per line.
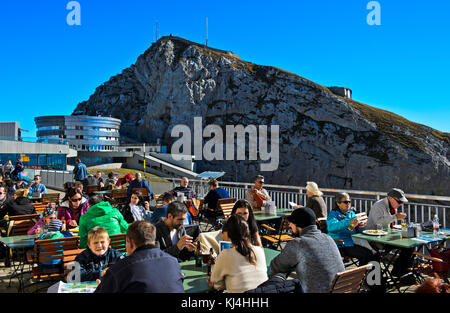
315	200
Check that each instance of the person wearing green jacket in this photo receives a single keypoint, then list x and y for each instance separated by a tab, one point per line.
102	214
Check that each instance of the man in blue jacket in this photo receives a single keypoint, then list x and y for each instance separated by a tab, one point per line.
145	269
138	182
80	171
342	223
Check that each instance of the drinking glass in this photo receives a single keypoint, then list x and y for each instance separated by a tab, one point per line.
379	229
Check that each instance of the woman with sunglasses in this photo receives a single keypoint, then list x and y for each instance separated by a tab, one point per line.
73	207
243	209
342	223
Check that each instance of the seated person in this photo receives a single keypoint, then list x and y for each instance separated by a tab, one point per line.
161	212
80	186
98	176
110	181
37	186
20	184
244	210
243	266
145	269
19	205
215	193
138	182
48	215
184	188
171	234
52	230
315	200
313	255
98	257
257	194
101	213
137	209
385	212
4	196
72	207
342	224
124	182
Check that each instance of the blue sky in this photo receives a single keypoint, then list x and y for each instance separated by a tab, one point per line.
47	67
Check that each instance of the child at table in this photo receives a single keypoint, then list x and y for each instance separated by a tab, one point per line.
95	260
48	214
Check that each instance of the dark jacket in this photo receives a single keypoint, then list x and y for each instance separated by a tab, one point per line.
318	205
214	195
19	206
278	284
91	265
165	243
148	269
188	192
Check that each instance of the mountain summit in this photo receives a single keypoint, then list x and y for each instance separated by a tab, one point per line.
334	141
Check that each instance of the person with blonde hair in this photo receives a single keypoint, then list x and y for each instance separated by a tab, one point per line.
98	257
315	200
19	205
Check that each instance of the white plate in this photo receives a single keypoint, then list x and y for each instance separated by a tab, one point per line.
375	232
398	227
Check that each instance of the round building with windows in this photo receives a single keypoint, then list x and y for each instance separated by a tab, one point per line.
80	132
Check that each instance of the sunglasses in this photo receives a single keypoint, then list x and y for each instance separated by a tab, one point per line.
261	182
398	201
346	202
75	200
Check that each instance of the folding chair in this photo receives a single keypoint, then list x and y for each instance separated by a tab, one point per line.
21	224
321	223
434	265
225	205
276	237
347	260
118	196
52	197
118	242
91	188
349	281
52	250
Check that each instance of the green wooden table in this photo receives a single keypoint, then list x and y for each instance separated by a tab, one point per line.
195	277
16	242
264	216
390	239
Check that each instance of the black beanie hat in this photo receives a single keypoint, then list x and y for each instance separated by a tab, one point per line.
302	217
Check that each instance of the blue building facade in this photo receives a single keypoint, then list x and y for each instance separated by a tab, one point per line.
80	132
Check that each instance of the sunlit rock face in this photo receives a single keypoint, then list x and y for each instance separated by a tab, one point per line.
334	141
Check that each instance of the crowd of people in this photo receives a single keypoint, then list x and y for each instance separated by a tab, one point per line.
158	239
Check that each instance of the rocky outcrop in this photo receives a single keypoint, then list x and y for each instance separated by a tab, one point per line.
335	141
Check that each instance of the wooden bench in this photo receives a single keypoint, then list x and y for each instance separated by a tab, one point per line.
349	281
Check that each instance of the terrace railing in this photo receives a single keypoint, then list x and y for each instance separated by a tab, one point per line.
419	209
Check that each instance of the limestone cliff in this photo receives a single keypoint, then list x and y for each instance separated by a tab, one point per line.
335	141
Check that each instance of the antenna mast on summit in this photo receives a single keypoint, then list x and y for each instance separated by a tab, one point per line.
156	31
206	31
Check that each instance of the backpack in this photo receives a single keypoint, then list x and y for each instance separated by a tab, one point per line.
192	205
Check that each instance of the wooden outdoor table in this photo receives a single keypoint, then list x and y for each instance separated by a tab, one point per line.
195	277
